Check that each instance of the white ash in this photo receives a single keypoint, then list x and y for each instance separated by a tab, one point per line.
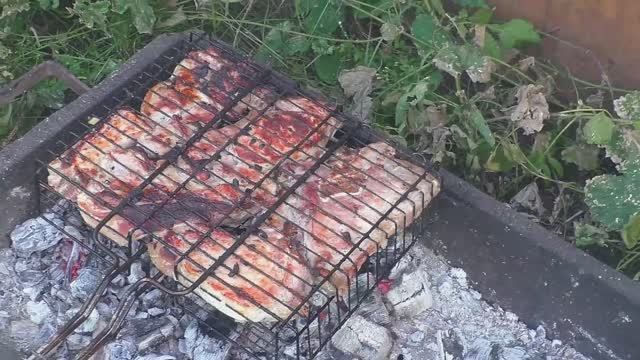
411	296
428	313
38	311
136	272
36	234
361	337
87	326
460	325
86	283
43	284
199	346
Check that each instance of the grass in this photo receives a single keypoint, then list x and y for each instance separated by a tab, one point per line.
448	80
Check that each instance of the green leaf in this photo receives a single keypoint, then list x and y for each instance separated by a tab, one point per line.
92	14
479	123
298	44
516	33
322	17
491	46
555	165
13	7
624	144
631	232
49	4
143	15
599	129
455	59
628	106
588	235
177	17
428	34
539	160
614	199
500	160
584	156
327	68
274	41
436	5
472	3
120	6
390	32
303	7
402	109
414	96
142	12
481	16
423	28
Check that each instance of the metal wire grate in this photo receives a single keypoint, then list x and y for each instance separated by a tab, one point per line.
280	213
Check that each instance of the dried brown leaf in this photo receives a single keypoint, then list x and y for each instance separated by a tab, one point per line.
532	109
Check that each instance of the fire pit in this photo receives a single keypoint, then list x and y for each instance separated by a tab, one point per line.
72	292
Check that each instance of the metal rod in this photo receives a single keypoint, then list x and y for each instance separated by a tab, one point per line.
36	75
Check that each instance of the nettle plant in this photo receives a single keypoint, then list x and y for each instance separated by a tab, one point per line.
614	199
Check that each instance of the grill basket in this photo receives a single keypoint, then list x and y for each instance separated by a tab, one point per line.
246	235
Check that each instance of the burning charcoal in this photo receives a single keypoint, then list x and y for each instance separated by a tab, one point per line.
136	273
47	331
77	341
5	270
36	235
186	320
61	206
105	310
55	274
118	281
122	349
86	283
30	277
374	309
4	319
152	298
142	327
362	338
406	263
33	292
38	311
23	330
89	325
73	232
417	338
63	295
141	315
411	295
154	338
203	347
20	266
481	349
155	311
515	353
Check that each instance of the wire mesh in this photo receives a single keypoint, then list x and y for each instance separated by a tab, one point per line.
258	197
